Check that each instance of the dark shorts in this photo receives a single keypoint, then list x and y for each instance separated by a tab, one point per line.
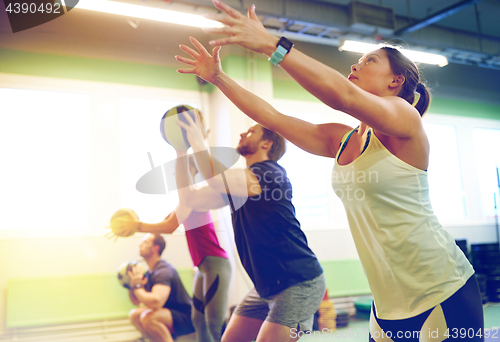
182	323
459	318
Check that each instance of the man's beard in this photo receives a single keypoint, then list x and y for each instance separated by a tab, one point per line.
245	150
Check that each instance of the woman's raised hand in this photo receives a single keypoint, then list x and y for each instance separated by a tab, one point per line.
205	65
246	31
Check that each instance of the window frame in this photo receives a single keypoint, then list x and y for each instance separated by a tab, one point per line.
104	184
465	145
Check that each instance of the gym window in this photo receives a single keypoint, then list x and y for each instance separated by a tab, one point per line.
45	139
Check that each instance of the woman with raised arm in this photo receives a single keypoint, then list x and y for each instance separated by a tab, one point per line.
423	285
213	274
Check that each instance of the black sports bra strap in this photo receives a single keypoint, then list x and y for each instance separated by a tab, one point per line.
368	136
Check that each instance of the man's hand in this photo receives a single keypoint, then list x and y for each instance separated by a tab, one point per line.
137	276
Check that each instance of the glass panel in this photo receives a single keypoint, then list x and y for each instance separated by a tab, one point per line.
140	128
45	156
445	176
486	142
310	178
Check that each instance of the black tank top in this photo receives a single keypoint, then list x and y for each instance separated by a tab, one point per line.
272	247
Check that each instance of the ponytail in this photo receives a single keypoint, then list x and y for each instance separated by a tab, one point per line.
401	65
424	100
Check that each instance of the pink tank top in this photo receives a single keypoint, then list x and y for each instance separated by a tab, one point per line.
201	238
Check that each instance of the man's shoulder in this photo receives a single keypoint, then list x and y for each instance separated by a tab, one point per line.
267	166
164	273
270	171
163	266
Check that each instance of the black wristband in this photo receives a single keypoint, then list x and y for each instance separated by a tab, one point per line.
282	48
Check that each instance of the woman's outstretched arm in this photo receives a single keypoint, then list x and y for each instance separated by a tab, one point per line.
321	140
389	115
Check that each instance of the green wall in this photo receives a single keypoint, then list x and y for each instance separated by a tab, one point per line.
291	90
100	70
465	108
238	67
91	69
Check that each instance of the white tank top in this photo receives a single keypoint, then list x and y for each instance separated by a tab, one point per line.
411	262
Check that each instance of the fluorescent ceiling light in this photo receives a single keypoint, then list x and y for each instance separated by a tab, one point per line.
150	13
416	56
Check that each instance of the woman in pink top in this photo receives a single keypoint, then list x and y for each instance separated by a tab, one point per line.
211	282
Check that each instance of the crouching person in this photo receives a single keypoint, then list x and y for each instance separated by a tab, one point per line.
164	310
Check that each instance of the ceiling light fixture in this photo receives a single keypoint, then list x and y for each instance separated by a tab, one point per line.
150	13
416	56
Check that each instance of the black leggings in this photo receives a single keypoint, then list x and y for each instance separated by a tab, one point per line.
459	318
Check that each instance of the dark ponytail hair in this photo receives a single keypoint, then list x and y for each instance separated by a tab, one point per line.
402	65
424	100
